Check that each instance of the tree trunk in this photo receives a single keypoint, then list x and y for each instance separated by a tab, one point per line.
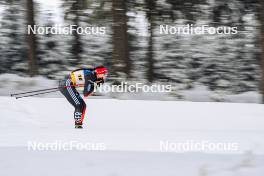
121	60
77	48
31	39
262	46
150	64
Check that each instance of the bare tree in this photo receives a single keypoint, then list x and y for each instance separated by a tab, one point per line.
120	38
31	39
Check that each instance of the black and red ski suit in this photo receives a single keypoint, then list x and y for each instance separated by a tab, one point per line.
85	78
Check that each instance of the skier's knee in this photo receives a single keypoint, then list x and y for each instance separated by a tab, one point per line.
81	107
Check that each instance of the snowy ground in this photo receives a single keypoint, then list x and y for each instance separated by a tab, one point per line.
131	132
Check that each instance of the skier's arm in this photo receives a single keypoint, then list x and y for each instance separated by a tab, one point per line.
88	86
88	90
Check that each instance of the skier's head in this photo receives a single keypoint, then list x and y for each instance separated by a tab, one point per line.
101	72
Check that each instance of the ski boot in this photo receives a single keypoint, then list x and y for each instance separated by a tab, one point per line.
78	125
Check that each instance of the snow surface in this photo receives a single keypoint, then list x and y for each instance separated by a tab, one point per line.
131	131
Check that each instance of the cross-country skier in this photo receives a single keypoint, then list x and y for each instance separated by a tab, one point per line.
88	79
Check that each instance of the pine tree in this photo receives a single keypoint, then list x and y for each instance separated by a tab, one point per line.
12	33
121	59
262	46
31	39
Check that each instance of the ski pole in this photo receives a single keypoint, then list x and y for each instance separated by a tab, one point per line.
33	91
37	94
41	90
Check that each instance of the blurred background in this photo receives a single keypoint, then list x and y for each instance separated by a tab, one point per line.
199	67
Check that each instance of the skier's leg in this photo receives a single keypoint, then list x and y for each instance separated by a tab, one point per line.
63	89
75	99
79	112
